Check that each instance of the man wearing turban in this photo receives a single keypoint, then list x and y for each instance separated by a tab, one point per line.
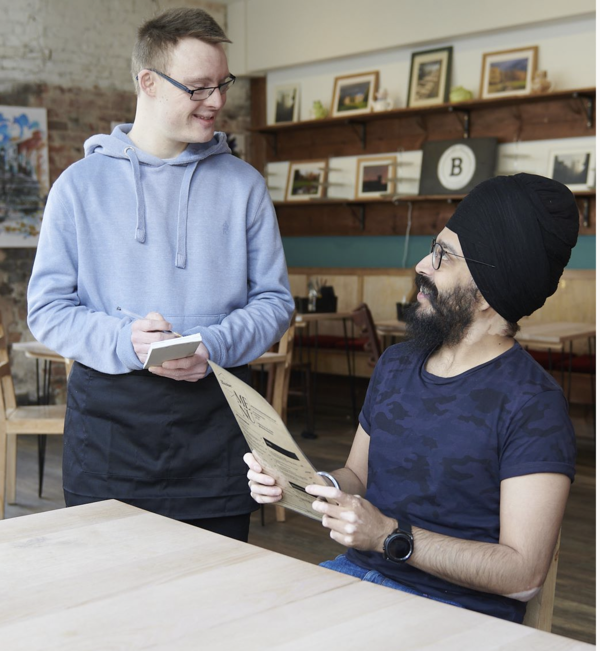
459	473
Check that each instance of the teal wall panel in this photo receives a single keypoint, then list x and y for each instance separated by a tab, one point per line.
389	251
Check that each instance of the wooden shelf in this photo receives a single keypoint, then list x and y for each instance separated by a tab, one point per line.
395	199
588	94
556	115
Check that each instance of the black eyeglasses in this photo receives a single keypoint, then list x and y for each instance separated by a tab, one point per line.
438	252
198	94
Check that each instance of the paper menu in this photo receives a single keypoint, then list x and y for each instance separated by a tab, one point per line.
271	443
163	351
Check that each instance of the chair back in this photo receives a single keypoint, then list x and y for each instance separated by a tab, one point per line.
282	372
8	399
538	613
363	318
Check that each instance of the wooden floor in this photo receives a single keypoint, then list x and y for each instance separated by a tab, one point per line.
575	606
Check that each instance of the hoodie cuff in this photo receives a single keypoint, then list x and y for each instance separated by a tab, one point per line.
211	341
125	350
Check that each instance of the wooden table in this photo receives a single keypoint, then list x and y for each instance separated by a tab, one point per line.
40	353
557	336
111	576
305	320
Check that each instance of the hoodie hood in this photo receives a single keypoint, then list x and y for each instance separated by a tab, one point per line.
118	145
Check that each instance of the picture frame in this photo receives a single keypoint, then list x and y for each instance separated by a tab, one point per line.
508	72
353	94
429	80
375	176
455	167
287	103
576	168
25	172
306	180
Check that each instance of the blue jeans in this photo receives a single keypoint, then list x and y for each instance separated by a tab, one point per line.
343	565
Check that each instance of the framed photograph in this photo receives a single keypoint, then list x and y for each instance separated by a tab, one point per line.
576	168
375	177
429	81
508	72
287	103
456	166
353	94
306	180
24	174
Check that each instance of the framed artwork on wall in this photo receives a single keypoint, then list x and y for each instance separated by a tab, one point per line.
306	180
353	94
456	166
24	176
576	168
508	72
375	176
287	103
429	81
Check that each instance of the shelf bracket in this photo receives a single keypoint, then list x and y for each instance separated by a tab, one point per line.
272	141
585	213
587	105
360	129
358	212
464	118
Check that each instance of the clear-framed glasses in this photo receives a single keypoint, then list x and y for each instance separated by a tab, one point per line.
198	94
438	252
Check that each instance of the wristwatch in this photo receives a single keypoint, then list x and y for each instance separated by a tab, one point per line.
398	546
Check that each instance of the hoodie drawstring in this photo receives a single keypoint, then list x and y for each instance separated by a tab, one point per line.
182	214
140	225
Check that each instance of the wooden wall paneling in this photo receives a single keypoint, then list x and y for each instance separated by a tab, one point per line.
258	116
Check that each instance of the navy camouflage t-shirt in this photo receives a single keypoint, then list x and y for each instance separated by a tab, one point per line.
439	448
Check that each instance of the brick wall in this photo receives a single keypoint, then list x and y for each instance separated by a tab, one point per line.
72	58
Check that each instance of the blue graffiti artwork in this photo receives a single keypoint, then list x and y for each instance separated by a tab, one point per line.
24	181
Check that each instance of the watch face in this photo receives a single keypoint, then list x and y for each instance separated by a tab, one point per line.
399	546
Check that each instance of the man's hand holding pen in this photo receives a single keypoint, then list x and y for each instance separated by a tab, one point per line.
153	327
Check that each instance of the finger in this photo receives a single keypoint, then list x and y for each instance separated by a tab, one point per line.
261	489
324	491
251	462
260	478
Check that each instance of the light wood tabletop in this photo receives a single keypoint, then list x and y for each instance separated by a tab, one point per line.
37	351
554	335
110	576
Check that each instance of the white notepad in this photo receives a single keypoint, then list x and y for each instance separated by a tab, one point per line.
163	351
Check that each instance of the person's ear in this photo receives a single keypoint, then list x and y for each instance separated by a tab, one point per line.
147	83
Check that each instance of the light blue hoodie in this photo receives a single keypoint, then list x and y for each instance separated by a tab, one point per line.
194	238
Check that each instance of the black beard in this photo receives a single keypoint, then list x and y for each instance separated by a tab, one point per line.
447	323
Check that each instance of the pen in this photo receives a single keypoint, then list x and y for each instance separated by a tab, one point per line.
133	315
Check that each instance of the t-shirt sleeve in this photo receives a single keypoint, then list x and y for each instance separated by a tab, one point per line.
540	438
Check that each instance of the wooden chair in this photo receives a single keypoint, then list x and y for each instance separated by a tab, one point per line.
363	318
279	366
36	419
539	609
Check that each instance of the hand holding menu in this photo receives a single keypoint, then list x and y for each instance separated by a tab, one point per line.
271	443
163	351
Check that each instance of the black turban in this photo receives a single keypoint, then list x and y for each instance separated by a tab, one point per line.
525	225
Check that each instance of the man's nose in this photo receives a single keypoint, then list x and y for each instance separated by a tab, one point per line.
424	266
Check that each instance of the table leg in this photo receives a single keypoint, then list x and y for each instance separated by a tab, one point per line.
11	469
45	400
350	370
309	432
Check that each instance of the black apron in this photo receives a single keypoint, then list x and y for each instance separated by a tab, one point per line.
170	447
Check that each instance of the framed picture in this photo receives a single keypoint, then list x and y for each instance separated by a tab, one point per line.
287	103
24	174
306	180
573	167
353	94
375	176
429	81
508	72
456	166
